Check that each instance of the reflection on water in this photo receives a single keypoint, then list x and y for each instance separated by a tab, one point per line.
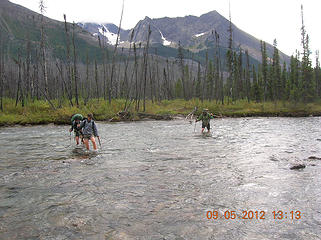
157	180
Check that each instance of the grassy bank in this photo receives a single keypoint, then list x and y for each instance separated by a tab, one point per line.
40	112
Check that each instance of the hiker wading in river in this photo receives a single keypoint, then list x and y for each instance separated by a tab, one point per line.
75	121
205	117
89	130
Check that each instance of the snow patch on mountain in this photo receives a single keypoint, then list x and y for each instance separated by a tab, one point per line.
200	34
112	37
165	41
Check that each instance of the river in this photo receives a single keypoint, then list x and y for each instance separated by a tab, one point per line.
162	180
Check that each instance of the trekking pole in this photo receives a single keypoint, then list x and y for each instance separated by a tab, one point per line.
99	141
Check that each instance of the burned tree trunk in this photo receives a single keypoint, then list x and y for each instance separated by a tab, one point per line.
87	95
96	80
114	57
145	67
68	62
43	47
1	74
75	65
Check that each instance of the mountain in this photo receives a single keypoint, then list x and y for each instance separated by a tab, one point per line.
107	31
194	33
19	25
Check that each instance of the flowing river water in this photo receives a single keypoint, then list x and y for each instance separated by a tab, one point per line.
160	180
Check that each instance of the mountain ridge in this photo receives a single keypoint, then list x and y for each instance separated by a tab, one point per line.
195	33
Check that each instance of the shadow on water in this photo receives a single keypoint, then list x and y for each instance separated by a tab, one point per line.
80	152
159	179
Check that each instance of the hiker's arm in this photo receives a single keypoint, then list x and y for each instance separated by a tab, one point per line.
72	127
81	125
95	130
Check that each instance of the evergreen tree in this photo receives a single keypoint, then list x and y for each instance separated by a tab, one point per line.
269	80
179	89
239	74
181	64
247	76
264	69
317	74
229	56
198	82
256	93
276	77
187	81
284	91
307	72
210	80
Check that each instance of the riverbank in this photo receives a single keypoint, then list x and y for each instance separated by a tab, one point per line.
40	112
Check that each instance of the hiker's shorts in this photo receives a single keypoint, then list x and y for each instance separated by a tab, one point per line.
206	126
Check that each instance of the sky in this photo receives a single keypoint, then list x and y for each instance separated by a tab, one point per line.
264	19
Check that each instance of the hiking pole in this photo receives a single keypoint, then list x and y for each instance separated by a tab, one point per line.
99	141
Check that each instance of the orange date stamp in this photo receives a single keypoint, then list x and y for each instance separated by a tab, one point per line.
254	215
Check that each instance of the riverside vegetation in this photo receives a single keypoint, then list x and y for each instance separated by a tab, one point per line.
40	112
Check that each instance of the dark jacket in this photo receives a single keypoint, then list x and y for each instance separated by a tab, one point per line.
74	126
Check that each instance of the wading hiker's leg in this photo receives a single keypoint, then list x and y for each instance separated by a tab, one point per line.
203	127
81	137
208	128
93	140
77	140
86	142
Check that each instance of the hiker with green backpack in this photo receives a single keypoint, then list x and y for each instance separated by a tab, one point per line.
205	117
75	121
89	131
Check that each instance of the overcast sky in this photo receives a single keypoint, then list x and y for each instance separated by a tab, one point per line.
264	19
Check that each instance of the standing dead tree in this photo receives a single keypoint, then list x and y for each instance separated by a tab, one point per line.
129	86
114	57
43	46
87	95
1	73
19	93
75	73
102	46
69	88
145	67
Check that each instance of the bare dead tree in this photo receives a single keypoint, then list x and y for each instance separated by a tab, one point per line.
96	80
68	61
145	67
114	56
128	88
43	45
136	76
19	91
102	46
86	99
65	86
75	65
157	78
28	62
204	79
1	73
